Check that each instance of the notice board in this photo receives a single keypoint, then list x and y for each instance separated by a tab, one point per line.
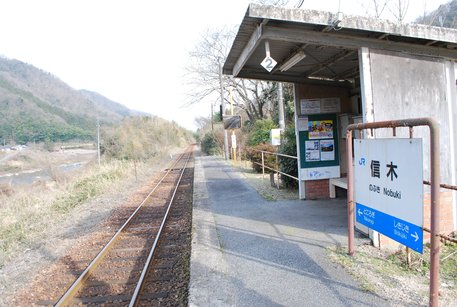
388	188
319	154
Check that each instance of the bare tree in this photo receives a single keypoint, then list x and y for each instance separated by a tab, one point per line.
273	2
375	8
379	7
399	9
252	96
205	58
202	122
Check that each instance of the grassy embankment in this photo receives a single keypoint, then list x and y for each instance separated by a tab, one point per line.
28	213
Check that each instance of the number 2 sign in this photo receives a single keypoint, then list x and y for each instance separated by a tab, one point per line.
268	63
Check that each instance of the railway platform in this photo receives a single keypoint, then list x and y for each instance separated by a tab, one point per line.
247	251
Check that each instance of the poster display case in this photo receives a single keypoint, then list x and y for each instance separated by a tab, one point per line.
319	156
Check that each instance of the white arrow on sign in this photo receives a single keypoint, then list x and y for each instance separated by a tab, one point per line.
360	212
415	236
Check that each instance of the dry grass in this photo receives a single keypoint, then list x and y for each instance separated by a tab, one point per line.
387	274
6	189
262	183
30	211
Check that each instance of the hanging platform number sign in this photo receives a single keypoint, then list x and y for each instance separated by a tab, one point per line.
268	63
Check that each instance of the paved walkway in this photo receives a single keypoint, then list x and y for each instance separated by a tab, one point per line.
247	251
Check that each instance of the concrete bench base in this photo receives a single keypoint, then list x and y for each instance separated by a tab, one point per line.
337	182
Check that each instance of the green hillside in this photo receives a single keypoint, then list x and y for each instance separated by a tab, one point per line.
36	106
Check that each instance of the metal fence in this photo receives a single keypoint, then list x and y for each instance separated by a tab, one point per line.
442	236
277	171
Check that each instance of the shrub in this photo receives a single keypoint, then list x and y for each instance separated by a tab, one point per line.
260	132
288	165
209	144
6	189
48	145
255	156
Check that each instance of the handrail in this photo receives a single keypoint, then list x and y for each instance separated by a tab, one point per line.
442	185
442	236
276	170
263	152
275	153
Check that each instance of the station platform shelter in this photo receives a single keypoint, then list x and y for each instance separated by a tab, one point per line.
352	69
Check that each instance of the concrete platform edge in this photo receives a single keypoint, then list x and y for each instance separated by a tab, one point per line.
208	265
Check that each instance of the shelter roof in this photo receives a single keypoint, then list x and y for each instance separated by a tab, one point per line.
330	43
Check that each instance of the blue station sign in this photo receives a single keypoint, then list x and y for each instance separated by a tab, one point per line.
388	193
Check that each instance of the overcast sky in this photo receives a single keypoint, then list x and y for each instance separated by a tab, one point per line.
133	52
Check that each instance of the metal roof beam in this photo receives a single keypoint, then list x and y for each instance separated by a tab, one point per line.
248	50
351	42
327	63
254	74
351	72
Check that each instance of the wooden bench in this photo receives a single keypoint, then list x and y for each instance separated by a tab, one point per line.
337	182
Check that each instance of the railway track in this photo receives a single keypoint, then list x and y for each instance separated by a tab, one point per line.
122	273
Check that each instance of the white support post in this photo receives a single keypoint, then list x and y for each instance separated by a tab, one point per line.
452	115
301	184
367	113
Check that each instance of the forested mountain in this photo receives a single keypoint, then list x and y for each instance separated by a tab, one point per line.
108	104
37	106
444	16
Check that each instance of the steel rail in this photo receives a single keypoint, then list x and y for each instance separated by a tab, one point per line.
77	284
147	265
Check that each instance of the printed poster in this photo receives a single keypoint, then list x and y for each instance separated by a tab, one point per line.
310	106
330	105
312	152
320	105
320	129
303	124
327	150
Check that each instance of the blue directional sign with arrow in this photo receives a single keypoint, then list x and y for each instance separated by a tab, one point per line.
388	188
401	231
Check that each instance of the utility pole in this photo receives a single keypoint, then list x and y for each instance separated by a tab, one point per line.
212	119
226	151
233	131
282	121
98	141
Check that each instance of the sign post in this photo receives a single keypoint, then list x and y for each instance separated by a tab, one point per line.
434	183
233	145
